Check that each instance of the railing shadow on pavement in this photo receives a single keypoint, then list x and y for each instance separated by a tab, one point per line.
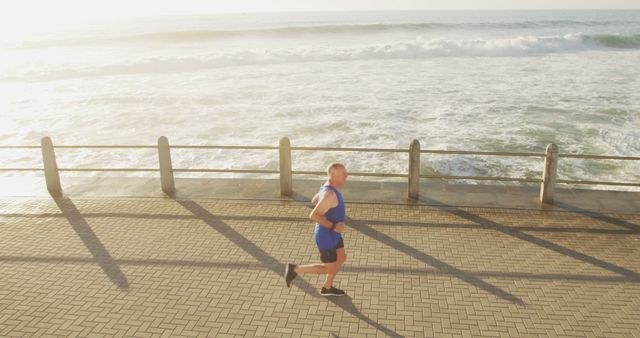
598	216
519	234
92	242
370	222
356	269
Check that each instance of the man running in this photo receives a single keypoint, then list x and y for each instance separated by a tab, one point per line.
329	215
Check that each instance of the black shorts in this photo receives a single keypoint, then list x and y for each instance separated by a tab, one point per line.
331	255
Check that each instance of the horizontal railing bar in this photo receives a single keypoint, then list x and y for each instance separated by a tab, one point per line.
227	147
249	171
21	169
322	173
111	169
600	157
143	147
20	147
106	147
426	151
484	178
302	172
628	184
496	153
378	175
377	150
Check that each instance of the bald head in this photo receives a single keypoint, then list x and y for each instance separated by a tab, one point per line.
333	167
336	174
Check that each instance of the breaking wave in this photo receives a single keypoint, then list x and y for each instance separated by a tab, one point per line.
420	48
199	35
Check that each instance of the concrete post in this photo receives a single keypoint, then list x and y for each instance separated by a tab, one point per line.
166	169
286	177
51	174
414	170
548	186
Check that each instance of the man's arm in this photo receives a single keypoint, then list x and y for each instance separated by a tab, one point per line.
315	198
325	201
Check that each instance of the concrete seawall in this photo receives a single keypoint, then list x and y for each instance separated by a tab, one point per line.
459	195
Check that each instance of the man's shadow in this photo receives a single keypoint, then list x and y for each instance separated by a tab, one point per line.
217	224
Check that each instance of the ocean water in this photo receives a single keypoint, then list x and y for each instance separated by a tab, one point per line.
454	80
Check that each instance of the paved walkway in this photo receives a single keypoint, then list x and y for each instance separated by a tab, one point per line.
204	267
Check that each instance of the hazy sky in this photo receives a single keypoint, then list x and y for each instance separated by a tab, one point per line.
156	7
46	10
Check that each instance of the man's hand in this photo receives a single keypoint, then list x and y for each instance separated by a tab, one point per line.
339	227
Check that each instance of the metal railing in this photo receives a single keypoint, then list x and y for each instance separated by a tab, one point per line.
548	181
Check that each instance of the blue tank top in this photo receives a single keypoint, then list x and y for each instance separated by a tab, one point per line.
327	238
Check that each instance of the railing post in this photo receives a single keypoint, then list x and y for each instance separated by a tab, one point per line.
286	177
549	175
51	174
414	170
166	169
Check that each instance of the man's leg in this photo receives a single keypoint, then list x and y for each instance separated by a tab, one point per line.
333	268
319	269
330	269
332	260
342	256
328	257
291	271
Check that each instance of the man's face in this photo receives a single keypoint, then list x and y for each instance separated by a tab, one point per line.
339	176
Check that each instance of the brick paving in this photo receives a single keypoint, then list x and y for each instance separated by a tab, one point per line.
158	266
